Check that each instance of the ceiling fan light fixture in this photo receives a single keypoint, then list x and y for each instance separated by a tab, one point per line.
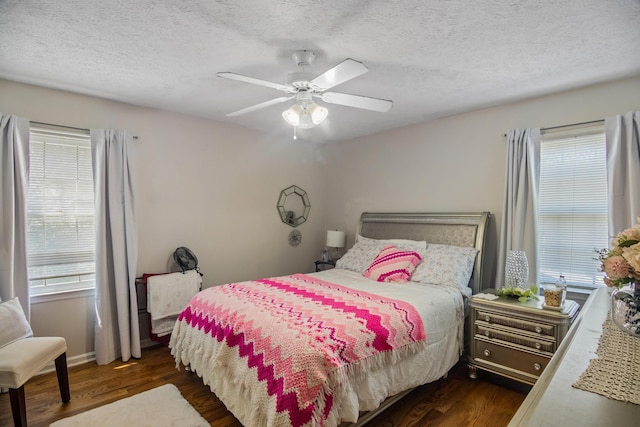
318	113
292	115
305	116
305	120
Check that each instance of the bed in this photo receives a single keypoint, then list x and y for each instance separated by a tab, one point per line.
337	347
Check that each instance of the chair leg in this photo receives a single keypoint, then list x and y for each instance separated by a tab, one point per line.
18	406
63	377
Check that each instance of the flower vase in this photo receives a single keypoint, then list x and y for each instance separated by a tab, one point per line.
625	308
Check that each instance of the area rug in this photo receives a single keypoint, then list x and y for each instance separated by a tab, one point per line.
161	406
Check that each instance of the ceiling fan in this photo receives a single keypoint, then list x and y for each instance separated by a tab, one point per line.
305	113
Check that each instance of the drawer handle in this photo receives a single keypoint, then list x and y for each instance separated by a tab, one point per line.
488	334
487	353
538	329
487	318
537	366
538	345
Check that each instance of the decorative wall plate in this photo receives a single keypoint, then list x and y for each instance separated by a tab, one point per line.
295	237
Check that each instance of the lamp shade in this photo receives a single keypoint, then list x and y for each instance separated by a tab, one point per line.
335	239
292	115
318	113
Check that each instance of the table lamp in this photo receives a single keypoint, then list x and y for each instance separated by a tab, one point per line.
335	240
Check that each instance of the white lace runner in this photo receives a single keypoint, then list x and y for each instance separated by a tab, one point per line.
615	373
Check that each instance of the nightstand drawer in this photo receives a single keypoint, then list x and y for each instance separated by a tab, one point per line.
510	358
515	322
510	335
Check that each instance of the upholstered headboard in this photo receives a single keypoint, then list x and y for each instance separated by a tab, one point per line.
457	229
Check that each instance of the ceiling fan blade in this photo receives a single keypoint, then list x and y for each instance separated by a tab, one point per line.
241	78
344	71
357	101
261	105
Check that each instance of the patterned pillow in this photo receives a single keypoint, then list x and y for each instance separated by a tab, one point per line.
359	257
14	323
446	265
362	253
393	265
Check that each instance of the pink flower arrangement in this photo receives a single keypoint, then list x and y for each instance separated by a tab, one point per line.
621	263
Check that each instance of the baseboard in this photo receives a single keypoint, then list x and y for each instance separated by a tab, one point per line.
89	357
71	361
146	343
81	358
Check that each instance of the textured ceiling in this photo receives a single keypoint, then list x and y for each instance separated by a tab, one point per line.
431	57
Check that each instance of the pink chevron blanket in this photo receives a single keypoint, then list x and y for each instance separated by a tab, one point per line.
280	351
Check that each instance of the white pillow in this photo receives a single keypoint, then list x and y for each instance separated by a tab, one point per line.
14	323
364	251
446	265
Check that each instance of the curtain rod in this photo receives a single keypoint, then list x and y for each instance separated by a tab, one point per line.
573	124
566	126
71	127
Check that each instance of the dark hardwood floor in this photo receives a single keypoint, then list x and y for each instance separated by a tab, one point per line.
455	401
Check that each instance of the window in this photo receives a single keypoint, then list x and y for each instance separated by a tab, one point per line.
572	211
60	211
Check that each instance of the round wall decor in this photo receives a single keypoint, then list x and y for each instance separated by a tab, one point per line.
295	237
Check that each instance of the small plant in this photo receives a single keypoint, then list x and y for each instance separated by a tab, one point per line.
523	295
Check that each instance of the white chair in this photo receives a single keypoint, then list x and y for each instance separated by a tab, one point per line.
22	356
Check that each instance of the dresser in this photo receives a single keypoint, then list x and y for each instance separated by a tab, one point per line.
553	402
514	339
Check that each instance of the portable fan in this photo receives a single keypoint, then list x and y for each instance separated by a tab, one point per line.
185	259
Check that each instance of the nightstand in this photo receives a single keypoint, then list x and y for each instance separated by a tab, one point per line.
515	339
325	265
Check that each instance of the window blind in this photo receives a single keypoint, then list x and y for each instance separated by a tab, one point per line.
572	210
60	211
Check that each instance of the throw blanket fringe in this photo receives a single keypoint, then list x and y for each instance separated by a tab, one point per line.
356	372
201	359
263	381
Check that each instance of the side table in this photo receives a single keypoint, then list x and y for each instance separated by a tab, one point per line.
324	265
515	339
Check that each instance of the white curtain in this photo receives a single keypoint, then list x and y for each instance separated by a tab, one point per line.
14	182
623	170
117	329
518	228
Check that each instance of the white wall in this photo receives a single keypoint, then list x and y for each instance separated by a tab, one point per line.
213	187
202	184
454	164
